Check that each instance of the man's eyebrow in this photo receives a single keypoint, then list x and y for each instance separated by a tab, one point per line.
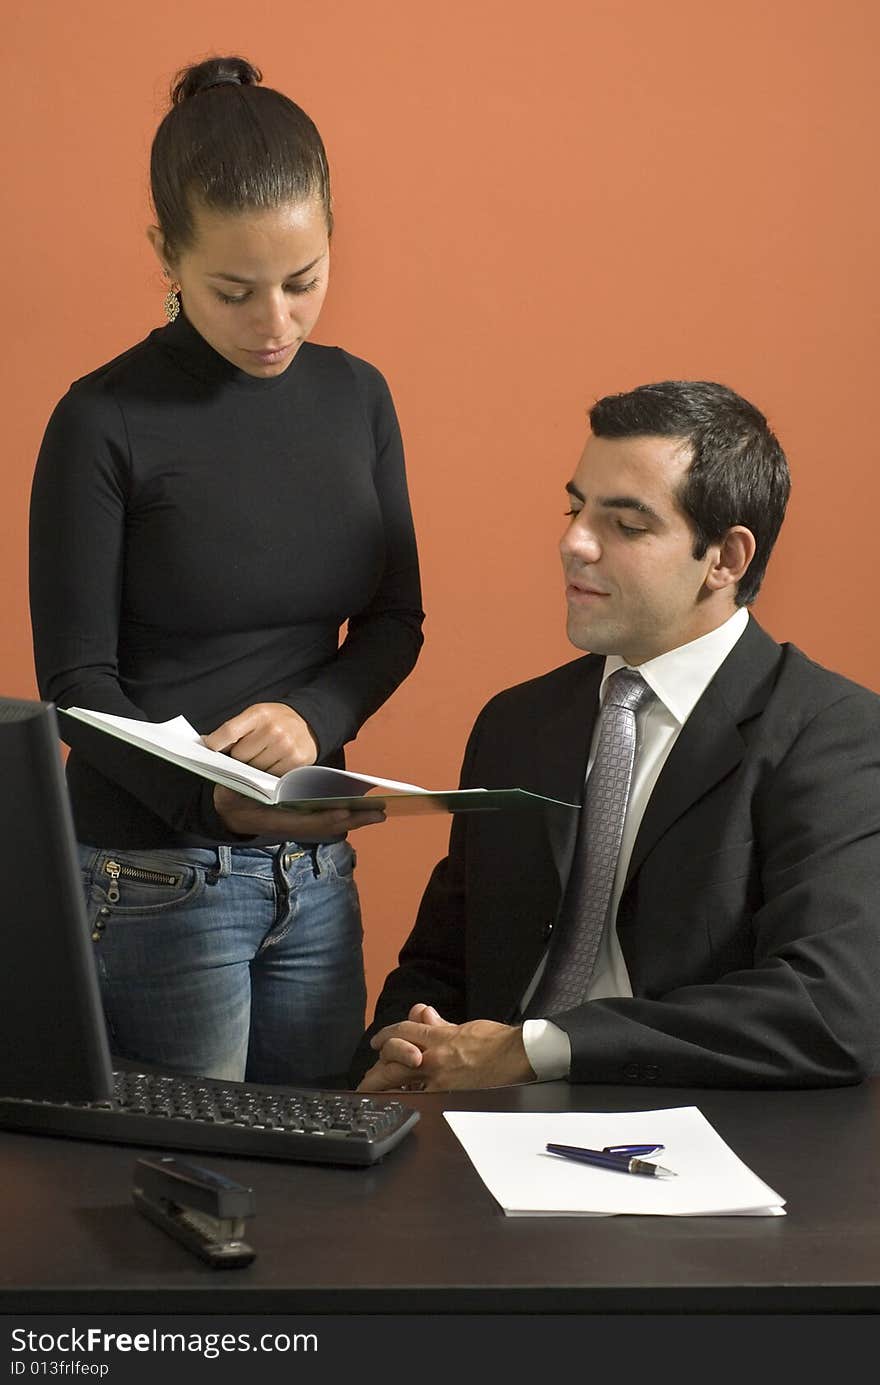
617	502
629	502
236	279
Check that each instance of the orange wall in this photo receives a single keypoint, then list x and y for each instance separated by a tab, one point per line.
536	204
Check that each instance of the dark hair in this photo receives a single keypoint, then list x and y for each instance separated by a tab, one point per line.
231	145
738	473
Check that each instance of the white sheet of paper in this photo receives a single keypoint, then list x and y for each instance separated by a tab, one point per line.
508	1151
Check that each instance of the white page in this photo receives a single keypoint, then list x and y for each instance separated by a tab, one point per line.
508	1152
181	743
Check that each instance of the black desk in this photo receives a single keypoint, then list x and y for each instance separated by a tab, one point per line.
420	1234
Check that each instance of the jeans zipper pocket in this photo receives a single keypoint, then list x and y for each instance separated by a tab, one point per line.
118	872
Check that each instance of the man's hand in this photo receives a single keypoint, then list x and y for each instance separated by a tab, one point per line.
270	735
426	1053
247	818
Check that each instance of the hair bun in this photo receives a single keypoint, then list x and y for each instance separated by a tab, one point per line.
213	72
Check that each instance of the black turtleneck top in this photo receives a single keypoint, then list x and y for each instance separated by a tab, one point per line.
198	538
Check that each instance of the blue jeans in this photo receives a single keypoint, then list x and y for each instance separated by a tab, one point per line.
231	962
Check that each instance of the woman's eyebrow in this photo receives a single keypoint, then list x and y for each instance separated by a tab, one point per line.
237	279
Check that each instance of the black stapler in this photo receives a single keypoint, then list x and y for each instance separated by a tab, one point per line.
203	1210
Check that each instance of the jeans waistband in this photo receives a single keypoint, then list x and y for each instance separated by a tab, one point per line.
226	857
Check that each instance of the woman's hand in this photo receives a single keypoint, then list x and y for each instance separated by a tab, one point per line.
270	735
247	818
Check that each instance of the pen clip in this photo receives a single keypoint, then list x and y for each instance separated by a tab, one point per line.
639	1150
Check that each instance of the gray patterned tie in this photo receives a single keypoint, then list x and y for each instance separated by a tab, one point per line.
572	954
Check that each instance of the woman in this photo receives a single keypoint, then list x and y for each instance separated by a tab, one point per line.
208	510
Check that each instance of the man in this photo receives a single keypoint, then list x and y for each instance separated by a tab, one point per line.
738	926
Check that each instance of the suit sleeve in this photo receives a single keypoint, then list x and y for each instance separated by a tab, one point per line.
431	966
804	1012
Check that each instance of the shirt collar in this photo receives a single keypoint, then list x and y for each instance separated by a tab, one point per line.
681	676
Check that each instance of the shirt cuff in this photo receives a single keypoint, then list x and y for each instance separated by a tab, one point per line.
548	1049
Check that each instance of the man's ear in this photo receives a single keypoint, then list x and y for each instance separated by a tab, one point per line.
733	555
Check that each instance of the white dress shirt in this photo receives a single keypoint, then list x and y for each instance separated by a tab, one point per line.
678	680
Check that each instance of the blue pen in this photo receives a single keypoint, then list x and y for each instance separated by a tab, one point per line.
632	1149
618	1163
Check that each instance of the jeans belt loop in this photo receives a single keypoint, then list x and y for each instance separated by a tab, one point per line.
224	863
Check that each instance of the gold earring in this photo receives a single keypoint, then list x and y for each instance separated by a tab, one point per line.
171	302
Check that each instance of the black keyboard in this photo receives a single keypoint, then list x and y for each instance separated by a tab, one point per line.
179	1112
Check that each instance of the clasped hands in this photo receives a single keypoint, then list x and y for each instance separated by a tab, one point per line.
426	1053
273	737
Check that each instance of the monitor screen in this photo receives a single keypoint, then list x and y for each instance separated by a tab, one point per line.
53	1040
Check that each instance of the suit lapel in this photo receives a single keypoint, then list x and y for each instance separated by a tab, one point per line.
710	744
566	741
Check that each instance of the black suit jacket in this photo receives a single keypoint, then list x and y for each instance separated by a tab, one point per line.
750	917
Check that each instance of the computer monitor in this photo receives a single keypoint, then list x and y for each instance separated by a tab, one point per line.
53	1039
